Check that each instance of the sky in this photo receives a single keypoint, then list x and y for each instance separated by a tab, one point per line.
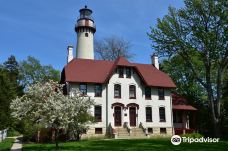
44	28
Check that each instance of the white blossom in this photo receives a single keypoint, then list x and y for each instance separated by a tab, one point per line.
44	103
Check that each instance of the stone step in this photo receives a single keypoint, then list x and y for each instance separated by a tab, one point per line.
132	137
123	133
137	135
138	132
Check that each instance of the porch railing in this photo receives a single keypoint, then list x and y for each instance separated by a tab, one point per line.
179	131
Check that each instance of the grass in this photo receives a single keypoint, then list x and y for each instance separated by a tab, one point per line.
6	144
128	145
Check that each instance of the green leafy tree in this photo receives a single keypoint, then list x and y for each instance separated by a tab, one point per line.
31	71
188	87
45	104
79	126
198	32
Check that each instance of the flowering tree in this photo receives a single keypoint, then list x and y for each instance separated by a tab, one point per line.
45	104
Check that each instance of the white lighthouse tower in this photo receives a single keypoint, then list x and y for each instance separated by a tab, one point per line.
85	29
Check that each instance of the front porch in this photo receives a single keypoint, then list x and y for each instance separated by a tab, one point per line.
184	119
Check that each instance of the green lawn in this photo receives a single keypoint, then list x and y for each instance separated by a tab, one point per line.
128	145
6	144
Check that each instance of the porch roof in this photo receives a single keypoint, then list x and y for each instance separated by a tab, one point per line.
184	107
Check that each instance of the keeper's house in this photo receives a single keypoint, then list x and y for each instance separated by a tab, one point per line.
132	100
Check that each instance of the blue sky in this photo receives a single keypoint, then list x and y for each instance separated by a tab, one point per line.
44	28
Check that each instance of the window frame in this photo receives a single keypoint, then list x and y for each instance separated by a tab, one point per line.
161	93
83	89
98	117
146	97
119	96
134	91
163	130
128	72
122	70
95	90
160	114
100	131
150	130
149	119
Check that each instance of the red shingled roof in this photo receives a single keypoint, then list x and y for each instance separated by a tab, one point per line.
99	71
86	70
154	77
184	107
178	100
180	103
121	61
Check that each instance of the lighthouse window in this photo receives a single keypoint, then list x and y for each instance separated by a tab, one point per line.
86	34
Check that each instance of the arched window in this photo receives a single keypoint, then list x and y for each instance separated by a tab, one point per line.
86	34
117	91
162	114
132	92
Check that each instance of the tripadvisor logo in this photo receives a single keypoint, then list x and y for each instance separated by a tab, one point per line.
176	140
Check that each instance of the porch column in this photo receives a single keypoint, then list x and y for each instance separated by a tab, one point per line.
184	121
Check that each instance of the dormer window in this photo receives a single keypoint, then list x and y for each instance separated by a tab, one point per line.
161	94
121	73
148	93
98	90
128	72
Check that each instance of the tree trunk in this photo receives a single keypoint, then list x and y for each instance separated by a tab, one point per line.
78	137
217	130
215	117
56	139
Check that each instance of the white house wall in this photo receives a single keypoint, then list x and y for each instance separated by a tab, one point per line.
107	111
98	101
155	103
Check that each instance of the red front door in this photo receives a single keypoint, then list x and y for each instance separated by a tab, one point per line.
132	113
117	116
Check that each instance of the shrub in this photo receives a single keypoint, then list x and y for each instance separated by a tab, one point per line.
193	135
12	132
